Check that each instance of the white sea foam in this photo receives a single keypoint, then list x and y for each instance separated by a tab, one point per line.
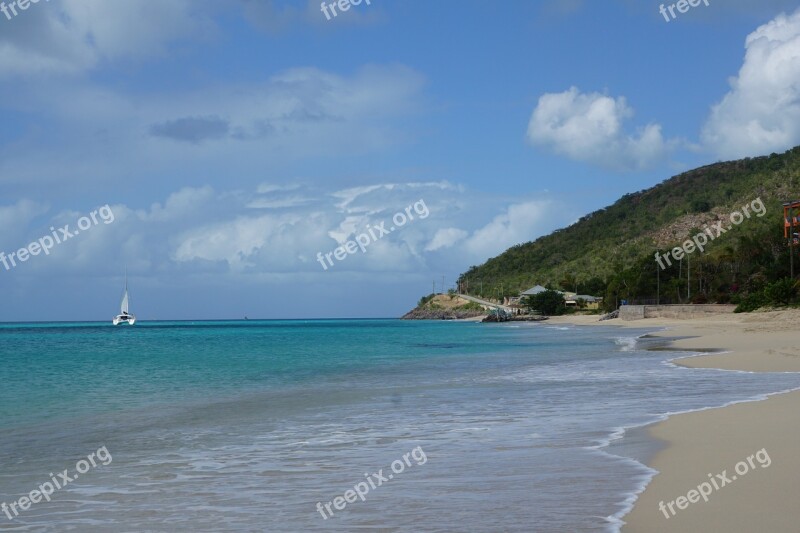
539	406
627	344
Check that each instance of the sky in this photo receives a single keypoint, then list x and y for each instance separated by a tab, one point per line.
222	151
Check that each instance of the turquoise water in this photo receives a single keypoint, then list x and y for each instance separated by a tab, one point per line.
246	426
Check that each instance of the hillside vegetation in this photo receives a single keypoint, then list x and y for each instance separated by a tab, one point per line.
610	252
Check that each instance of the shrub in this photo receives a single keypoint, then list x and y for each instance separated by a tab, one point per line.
425	299
751	302
701	206
547	302
781	292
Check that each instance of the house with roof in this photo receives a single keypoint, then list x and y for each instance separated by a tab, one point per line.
592	302
570	298
534	291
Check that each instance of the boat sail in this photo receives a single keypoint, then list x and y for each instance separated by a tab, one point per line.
125	315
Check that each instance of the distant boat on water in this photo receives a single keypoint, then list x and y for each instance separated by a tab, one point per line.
125	315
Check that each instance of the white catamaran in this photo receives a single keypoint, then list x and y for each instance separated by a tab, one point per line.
124	315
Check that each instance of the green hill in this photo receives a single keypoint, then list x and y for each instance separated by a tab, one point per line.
611	252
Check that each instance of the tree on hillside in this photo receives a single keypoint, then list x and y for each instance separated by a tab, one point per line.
610	252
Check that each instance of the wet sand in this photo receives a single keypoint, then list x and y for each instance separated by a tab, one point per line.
757	438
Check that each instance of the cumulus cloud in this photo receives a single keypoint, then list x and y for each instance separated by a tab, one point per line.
246	240
184	204
246	258
761	113
15	216
457	230
589	127
518	224
238	242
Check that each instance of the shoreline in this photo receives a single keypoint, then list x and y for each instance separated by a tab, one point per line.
716	439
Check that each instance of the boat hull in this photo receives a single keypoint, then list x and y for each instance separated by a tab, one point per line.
131	320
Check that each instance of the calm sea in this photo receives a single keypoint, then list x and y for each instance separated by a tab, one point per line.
247	426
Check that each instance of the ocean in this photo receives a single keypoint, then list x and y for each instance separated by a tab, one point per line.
393	425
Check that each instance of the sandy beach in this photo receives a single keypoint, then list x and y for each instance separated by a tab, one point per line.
743	456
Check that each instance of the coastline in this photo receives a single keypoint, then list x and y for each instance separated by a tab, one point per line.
717	440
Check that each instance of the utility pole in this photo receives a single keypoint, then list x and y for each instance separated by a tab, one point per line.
443	291
791	239
433	287
658	283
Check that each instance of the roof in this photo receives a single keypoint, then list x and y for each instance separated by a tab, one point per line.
534	290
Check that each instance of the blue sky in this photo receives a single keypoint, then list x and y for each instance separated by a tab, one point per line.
234	141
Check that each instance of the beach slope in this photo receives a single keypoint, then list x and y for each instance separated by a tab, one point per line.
743	456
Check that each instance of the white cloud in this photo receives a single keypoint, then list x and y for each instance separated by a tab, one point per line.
303	106
303	113
288	242
445	238
183	204
275	196
266	188
201	231
15	217
20	213
348	196
279	203
71	36
761	113
370	199
590	128
520	223
244	241
239	241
